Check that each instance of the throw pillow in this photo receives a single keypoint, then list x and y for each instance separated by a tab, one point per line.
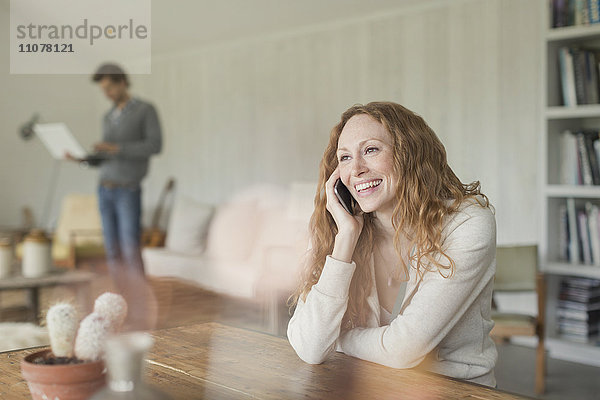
188	225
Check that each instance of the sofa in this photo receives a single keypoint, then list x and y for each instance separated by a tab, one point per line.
250	246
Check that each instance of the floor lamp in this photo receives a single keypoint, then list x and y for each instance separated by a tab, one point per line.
27	132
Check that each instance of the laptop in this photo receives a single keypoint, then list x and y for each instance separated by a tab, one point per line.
59	141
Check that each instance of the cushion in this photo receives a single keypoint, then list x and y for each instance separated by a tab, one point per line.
160	261
301	202
233	231
188	224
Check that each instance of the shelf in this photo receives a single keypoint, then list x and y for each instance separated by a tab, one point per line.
555	119
573	191
565	268
565	349
573	33
582	111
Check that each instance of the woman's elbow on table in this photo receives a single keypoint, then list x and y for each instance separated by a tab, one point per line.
386	349
407	355
403	362
310	353
311	357
398	360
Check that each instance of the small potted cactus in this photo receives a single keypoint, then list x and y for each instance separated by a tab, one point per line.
73	368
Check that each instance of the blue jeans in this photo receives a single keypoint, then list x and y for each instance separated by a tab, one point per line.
120	210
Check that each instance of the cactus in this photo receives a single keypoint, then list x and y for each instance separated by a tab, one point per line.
93	330
110	310
112	306
86	343
62	327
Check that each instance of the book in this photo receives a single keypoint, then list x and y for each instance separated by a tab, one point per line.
563	232
579	75
593	225
573	239
559	13
577	305
590	137
578	309
584	160
567	77
584	238
568	159
594	11
573	12
578	326
581	329
577	315
582	16
597	150
590	299
578	56
580	282
591	78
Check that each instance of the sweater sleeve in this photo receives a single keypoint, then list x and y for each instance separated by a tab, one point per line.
151	142
315	325
439	302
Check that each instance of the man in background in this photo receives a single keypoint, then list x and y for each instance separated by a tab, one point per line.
131	134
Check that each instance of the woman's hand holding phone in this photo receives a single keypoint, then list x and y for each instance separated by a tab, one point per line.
349	226
344	196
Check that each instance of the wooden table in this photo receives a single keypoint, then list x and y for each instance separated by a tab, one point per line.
80	280
214	361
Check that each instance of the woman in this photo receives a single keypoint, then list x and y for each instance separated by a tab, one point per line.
407	280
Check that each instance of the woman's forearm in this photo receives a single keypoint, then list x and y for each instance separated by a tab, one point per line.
315	325
344	246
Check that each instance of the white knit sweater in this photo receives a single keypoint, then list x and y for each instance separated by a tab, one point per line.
444	323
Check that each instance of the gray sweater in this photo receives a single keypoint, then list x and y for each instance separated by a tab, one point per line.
137	132
443	324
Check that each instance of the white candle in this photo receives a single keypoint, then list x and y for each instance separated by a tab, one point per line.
36	255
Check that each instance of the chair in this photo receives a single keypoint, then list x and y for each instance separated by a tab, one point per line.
516	271
78	234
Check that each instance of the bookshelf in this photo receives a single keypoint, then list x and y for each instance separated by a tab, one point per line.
555	119
582	111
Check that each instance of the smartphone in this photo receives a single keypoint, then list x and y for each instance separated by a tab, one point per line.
344	196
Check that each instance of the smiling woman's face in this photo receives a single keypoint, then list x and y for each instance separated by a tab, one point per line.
366	163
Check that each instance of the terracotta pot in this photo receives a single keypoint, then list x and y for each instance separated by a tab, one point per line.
64	382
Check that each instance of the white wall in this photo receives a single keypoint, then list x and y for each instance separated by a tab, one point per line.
260	109
26	167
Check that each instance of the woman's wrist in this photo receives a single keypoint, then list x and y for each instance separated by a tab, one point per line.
343	247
